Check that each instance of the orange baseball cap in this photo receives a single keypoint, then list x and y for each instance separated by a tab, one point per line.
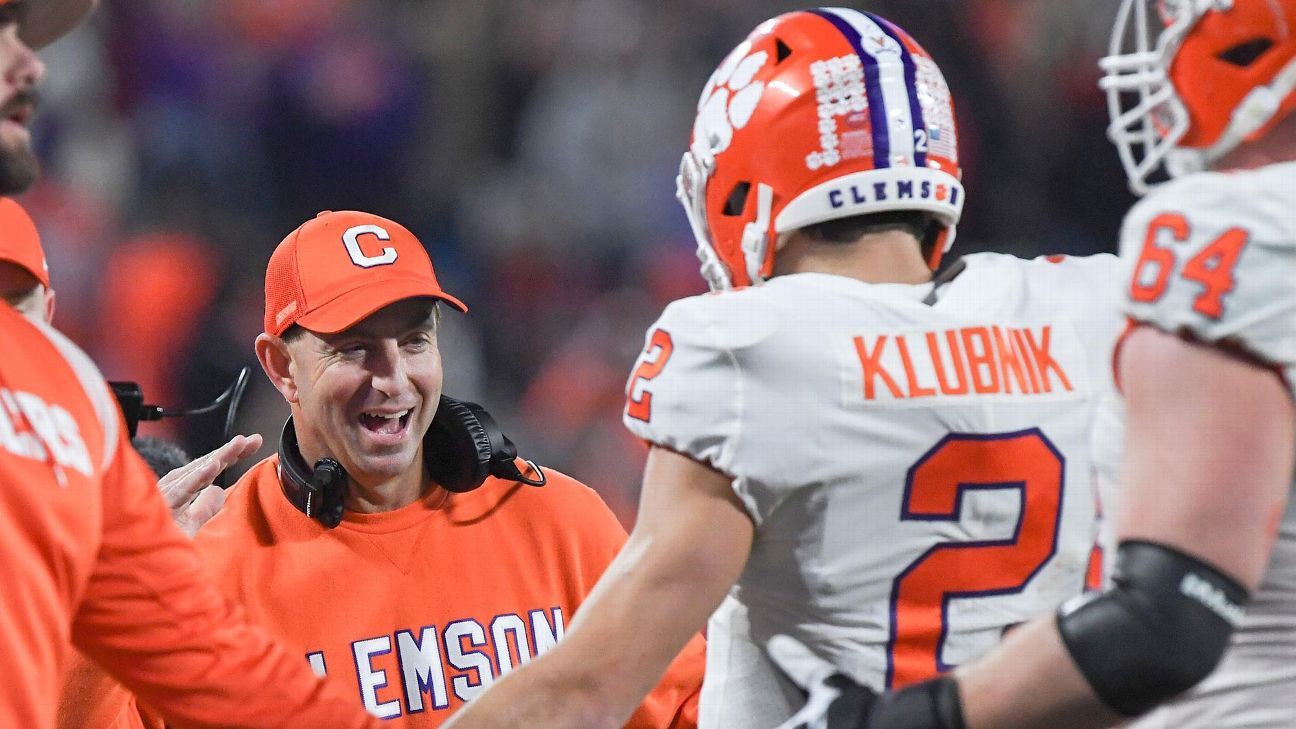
19	241
340	267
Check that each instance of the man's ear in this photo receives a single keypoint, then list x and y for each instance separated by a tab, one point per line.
276	362
49	306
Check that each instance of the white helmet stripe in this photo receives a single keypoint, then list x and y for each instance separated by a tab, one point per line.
884	59
911	90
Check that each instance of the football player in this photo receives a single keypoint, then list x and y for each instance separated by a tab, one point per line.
1201	612
892	469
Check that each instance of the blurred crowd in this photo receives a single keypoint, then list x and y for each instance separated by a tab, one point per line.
531	145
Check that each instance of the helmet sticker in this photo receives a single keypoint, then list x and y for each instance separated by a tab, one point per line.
938	109
839	91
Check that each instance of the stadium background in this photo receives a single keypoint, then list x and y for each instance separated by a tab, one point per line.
532	146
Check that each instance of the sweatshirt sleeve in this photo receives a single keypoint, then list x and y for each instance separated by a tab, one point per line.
91	699
673	703
150	617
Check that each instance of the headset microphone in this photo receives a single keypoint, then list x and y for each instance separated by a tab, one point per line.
461	449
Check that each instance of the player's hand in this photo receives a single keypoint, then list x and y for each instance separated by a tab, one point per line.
188	490
833	699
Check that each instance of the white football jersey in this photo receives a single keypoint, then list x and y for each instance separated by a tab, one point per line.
1214	258
919	472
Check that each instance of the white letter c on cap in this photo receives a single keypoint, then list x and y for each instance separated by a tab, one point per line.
351	239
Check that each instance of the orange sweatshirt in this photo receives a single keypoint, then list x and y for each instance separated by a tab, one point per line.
91	557
420	609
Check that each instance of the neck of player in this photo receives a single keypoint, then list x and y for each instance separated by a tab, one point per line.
1277	146
886	257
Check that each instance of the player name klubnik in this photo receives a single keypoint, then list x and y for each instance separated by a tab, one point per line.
968	362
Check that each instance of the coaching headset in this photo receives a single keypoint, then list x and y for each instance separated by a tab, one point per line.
462	447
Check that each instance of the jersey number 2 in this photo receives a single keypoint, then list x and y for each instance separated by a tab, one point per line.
640	408
934	488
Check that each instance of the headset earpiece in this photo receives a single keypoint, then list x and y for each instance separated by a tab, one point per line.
465	445
457	448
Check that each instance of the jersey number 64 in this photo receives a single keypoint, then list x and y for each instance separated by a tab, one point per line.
1212	267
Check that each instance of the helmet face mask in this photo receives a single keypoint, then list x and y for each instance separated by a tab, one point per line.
817	115
690	190
1187	81
1147	116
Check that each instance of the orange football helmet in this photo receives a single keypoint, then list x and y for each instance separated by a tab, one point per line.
1187	81
818	114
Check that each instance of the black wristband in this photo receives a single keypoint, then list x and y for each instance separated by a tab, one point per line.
931	704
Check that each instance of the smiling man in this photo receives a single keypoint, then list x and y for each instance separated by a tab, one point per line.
350	343
368	427
359	543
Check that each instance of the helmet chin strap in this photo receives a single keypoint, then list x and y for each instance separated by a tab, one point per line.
1255	111
755	239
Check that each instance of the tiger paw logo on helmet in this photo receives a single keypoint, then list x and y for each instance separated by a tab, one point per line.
729	98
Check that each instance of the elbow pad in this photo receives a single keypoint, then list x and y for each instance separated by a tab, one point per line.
1160	631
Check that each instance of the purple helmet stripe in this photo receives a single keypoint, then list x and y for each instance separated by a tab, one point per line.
911	82
872	86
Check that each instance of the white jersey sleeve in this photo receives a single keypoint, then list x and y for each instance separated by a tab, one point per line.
686	392
1213	258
